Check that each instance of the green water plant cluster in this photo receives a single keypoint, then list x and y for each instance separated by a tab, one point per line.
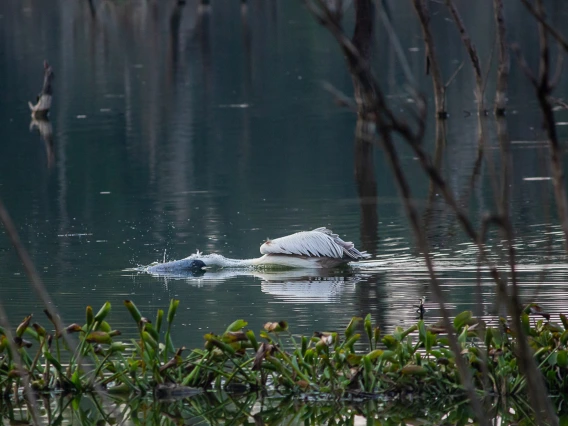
358	363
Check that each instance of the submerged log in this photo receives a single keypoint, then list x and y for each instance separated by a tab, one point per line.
43	101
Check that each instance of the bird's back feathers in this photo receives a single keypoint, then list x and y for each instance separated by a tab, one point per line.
321	242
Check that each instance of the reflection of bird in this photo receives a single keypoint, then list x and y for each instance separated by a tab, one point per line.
46	132
320	248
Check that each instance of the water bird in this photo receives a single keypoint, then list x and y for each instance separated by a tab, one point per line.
316	249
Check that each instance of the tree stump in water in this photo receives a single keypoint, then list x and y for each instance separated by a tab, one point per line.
43	101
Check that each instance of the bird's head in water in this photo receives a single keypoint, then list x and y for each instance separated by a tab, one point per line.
197	265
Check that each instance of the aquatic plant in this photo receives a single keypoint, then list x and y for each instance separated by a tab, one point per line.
356	365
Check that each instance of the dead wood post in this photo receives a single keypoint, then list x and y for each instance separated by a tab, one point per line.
43	101
431	60
503	68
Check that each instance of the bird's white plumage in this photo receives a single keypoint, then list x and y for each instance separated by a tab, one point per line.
320	242
320	248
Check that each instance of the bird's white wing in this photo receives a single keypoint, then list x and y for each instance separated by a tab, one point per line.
320	242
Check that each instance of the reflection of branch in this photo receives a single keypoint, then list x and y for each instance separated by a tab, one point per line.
503	69
431	60
366	184
472	51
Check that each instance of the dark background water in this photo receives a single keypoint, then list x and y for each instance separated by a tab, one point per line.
174	131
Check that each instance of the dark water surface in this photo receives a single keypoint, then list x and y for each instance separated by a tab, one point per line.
174	131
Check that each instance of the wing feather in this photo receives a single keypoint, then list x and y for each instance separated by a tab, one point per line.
321	242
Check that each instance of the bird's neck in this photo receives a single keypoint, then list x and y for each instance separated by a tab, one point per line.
232	263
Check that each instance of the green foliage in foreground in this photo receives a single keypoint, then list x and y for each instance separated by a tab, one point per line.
327	366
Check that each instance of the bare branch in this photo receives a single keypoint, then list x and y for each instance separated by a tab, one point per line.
542	20
523	64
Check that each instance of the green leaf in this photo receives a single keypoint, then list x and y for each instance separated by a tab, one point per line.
562	358
462	338
76	380
90	316
159	319
236	326
564	321
349	343
174	303
489	337
56	364
390	342
374	354
462	319
564	337
525	324
134	312
103	312
149	328
422	332
350	330
150	340
100	337
388	356
368	329
252	339
431	340
414	370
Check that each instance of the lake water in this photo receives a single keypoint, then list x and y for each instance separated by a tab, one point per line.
174	131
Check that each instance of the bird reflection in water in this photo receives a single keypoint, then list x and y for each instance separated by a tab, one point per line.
43	125
293	285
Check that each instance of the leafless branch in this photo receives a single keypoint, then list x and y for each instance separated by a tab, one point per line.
558	71
542	20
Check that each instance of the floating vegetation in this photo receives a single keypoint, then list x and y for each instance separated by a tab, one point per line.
409	365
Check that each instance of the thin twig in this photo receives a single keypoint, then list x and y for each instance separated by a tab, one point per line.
454	75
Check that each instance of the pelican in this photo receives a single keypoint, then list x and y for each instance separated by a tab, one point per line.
316	249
